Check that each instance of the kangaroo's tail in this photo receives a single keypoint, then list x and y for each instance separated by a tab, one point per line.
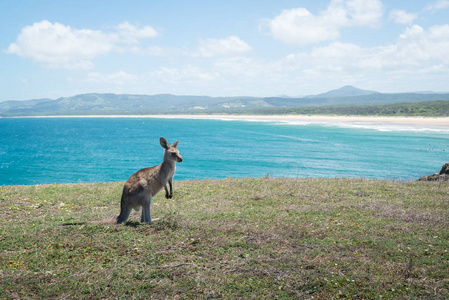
125	210
104	222
74	223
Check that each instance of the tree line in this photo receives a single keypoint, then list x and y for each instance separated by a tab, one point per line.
422	109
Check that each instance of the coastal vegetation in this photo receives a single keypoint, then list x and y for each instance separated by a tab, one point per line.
438	108
403	109
231	238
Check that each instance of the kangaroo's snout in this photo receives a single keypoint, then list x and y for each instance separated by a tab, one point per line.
179	158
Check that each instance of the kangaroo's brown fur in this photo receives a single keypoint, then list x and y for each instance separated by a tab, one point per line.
140	188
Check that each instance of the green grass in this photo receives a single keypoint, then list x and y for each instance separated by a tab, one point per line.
234	238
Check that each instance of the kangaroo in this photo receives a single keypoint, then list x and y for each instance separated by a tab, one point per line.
140	188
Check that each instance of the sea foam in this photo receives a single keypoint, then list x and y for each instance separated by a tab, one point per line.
384	127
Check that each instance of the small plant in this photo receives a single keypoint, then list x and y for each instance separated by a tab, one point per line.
168	221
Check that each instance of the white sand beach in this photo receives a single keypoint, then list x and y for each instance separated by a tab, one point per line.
413	121
317	118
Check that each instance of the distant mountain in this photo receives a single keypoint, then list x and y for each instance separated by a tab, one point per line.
6	105
110	104
103	104
346	91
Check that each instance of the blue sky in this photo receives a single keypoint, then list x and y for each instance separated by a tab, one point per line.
51	49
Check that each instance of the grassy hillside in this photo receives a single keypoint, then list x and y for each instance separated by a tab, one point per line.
248	238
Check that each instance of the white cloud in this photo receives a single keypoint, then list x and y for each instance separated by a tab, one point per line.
438	5
299	26
364	12
59	46
131	34
216	47
416	50
421	45
402	17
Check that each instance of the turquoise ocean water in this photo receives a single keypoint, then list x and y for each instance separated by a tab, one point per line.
70	150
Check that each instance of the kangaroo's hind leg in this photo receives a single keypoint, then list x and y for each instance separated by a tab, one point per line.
146	211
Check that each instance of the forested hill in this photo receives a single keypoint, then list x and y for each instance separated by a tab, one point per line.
421	109
105	104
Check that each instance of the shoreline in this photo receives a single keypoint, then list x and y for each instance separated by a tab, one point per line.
432	121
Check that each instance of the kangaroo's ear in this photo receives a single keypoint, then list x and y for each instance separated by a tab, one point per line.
164	143
175	144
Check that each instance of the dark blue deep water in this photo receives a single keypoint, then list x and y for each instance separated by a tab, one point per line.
70	150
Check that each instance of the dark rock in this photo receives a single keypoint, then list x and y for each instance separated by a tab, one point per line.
445	169
443	175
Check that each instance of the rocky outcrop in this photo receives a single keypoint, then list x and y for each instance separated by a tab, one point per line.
442	176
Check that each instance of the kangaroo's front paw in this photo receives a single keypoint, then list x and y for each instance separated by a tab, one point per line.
168	196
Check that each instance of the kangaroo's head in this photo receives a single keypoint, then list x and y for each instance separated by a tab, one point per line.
170	153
